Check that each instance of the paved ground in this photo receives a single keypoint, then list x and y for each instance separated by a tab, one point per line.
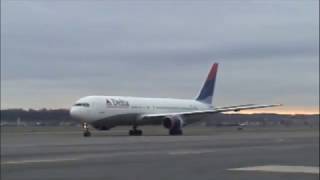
38	154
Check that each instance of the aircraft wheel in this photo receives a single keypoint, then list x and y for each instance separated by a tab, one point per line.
139	132
175	132
87	134
136	132
131	132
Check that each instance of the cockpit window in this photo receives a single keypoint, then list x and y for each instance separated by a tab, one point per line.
82	104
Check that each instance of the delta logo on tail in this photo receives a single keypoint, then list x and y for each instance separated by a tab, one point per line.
207	90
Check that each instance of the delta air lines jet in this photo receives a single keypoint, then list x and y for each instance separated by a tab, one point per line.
106	112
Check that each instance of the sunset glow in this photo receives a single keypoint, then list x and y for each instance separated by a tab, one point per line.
284	110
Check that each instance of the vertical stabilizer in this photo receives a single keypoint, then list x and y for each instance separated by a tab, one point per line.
207	90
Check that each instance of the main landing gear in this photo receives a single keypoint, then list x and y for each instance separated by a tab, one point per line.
135	132
86	132
175	132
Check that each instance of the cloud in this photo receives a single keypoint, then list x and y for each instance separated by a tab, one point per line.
52	50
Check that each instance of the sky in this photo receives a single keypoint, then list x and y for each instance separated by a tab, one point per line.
55	52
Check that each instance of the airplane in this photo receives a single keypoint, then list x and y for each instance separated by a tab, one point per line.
106	112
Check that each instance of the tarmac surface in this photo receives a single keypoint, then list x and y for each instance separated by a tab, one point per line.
225	153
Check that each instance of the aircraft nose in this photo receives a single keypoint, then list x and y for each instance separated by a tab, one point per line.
79	113
75	113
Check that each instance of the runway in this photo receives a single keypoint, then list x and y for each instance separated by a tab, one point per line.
199	154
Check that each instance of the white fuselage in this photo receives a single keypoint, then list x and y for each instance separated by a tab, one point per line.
106	112
93	108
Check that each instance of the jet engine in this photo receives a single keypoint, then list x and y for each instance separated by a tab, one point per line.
173	122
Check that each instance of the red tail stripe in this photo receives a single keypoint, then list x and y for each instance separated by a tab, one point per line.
213	72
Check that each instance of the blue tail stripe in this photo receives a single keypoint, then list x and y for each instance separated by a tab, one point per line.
207	90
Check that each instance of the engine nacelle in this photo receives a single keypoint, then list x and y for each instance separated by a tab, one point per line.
173	122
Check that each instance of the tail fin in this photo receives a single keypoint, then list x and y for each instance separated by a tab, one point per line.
207	90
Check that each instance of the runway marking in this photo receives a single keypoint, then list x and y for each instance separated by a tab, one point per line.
280	140
187	152
38	161
33	161
280	169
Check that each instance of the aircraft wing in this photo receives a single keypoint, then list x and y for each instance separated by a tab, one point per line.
211	111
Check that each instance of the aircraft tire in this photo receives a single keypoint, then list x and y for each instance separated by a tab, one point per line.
139	132
87	134
135	132
175	132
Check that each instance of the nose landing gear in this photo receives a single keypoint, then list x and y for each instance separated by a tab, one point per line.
135	132
86	132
